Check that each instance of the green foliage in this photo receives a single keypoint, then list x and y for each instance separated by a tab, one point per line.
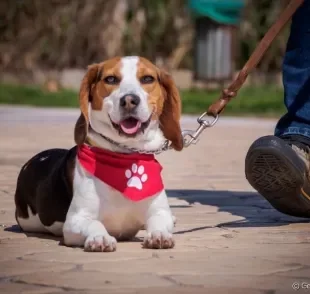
35	96
260	101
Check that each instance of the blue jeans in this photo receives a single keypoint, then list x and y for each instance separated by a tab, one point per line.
296	77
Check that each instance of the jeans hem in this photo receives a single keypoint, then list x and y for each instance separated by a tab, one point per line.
293	131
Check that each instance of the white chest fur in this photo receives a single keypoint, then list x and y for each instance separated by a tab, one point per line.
121	216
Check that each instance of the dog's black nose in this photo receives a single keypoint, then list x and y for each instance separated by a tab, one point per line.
129	101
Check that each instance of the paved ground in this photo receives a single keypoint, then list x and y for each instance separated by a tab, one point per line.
228	239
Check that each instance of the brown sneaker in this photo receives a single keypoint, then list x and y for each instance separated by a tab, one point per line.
278	169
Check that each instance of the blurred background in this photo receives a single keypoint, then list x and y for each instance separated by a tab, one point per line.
45	47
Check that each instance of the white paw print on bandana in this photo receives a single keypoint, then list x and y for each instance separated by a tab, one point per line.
136	176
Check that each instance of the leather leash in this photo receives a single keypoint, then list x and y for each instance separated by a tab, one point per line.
190	136
227	94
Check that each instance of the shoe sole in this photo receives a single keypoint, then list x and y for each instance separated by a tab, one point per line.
275	171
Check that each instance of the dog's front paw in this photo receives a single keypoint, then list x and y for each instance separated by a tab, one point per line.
158	240
100	243
174	219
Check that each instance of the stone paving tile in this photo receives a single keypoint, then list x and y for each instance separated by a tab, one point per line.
179	290
21	288
18	267
228	238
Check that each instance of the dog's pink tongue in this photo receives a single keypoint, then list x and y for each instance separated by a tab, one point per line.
130	125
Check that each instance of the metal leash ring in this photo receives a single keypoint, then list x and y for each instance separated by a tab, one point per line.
191	137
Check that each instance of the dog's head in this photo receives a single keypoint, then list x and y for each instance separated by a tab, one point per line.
129	100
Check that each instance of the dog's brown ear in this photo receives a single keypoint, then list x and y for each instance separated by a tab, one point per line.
81	126
171	113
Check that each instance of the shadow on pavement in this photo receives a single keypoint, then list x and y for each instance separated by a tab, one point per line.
253	208
18	230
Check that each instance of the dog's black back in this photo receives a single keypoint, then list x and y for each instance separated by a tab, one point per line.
44	185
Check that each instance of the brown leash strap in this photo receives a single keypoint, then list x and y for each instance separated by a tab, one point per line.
227	94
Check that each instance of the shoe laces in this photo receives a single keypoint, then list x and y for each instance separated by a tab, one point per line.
301	145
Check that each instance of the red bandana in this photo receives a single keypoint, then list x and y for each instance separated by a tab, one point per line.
137	176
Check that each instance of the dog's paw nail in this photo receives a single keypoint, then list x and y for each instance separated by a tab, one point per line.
100	243
158	240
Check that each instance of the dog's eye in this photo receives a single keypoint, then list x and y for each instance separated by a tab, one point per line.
112	80
147	80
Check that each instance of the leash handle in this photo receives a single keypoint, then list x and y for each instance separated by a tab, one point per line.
227	94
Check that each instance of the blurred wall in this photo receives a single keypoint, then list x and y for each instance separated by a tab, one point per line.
52	35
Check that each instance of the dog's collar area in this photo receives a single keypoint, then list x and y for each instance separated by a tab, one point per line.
166	145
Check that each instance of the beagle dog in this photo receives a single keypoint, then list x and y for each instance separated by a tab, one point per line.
108	186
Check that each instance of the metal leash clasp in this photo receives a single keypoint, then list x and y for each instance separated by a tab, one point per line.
191	137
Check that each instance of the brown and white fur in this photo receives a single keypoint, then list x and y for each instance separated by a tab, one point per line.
55	194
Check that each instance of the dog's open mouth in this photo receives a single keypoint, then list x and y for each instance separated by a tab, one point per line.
131	126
